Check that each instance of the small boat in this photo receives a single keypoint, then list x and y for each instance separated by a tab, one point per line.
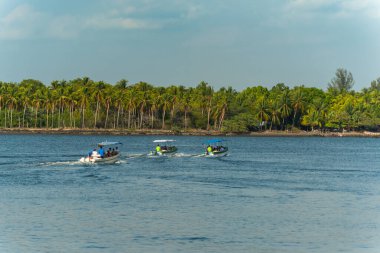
164	147
215	148
108	153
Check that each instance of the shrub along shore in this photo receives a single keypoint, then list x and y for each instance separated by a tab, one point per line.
190	132
86	106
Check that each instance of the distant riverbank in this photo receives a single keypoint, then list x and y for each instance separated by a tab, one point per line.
195	132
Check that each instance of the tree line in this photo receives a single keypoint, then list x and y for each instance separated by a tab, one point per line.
85	103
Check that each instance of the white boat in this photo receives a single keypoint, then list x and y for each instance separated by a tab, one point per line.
217	146
165	148
111	155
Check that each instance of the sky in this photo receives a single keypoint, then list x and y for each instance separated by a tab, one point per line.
238	43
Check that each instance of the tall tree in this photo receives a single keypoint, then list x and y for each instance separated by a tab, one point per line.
298	102
342	82
262	111
98	93
165	102
285	107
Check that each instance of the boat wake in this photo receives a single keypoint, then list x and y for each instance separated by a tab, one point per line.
125	159
132	156
183	155
60	163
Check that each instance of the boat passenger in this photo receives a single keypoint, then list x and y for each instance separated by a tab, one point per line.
209	149
158	148
116	151
113	152
94	153
101	152
109	152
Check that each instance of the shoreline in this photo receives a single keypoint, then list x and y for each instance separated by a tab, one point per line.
190	132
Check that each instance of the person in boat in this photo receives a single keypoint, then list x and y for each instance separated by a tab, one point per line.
158	148
94	153
101	152
209	150
109	152
113	152
116	150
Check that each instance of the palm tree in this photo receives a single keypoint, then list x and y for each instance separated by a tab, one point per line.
83	93
262	111
37	101
98	94
185	102
59	93
165	101
155	100
11	100
205	95
321	107
107	101
24	99
130	104
174	93
274	113
285	106
298	103
48	101
311	118
224	102
118	102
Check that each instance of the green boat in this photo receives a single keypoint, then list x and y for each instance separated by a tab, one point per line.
216	148
164	147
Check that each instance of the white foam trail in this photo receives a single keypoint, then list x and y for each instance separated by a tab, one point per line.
182	155
61	163
134	156
156	156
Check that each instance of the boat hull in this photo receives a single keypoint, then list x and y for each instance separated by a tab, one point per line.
216	153
99	160
169	151
164	152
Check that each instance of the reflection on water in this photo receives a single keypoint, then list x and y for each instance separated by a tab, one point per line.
268	195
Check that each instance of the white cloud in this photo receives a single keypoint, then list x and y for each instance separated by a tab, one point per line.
370	8
19	23
118	22
25	21
309	4
64	27
334	8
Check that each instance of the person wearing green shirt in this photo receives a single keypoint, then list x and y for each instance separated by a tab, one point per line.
209	150
158	148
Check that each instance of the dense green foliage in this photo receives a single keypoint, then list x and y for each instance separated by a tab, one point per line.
84	103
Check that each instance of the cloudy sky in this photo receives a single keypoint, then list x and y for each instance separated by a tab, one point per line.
237	43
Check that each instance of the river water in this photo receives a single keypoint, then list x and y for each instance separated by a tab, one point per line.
269	195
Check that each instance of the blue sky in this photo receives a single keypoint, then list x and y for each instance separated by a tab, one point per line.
237	43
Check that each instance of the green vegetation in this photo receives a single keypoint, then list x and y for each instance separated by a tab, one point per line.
84	103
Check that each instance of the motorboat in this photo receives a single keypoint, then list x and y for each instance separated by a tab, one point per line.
215	148
108	152
164	147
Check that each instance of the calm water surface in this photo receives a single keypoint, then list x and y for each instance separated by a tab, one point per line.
268	195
